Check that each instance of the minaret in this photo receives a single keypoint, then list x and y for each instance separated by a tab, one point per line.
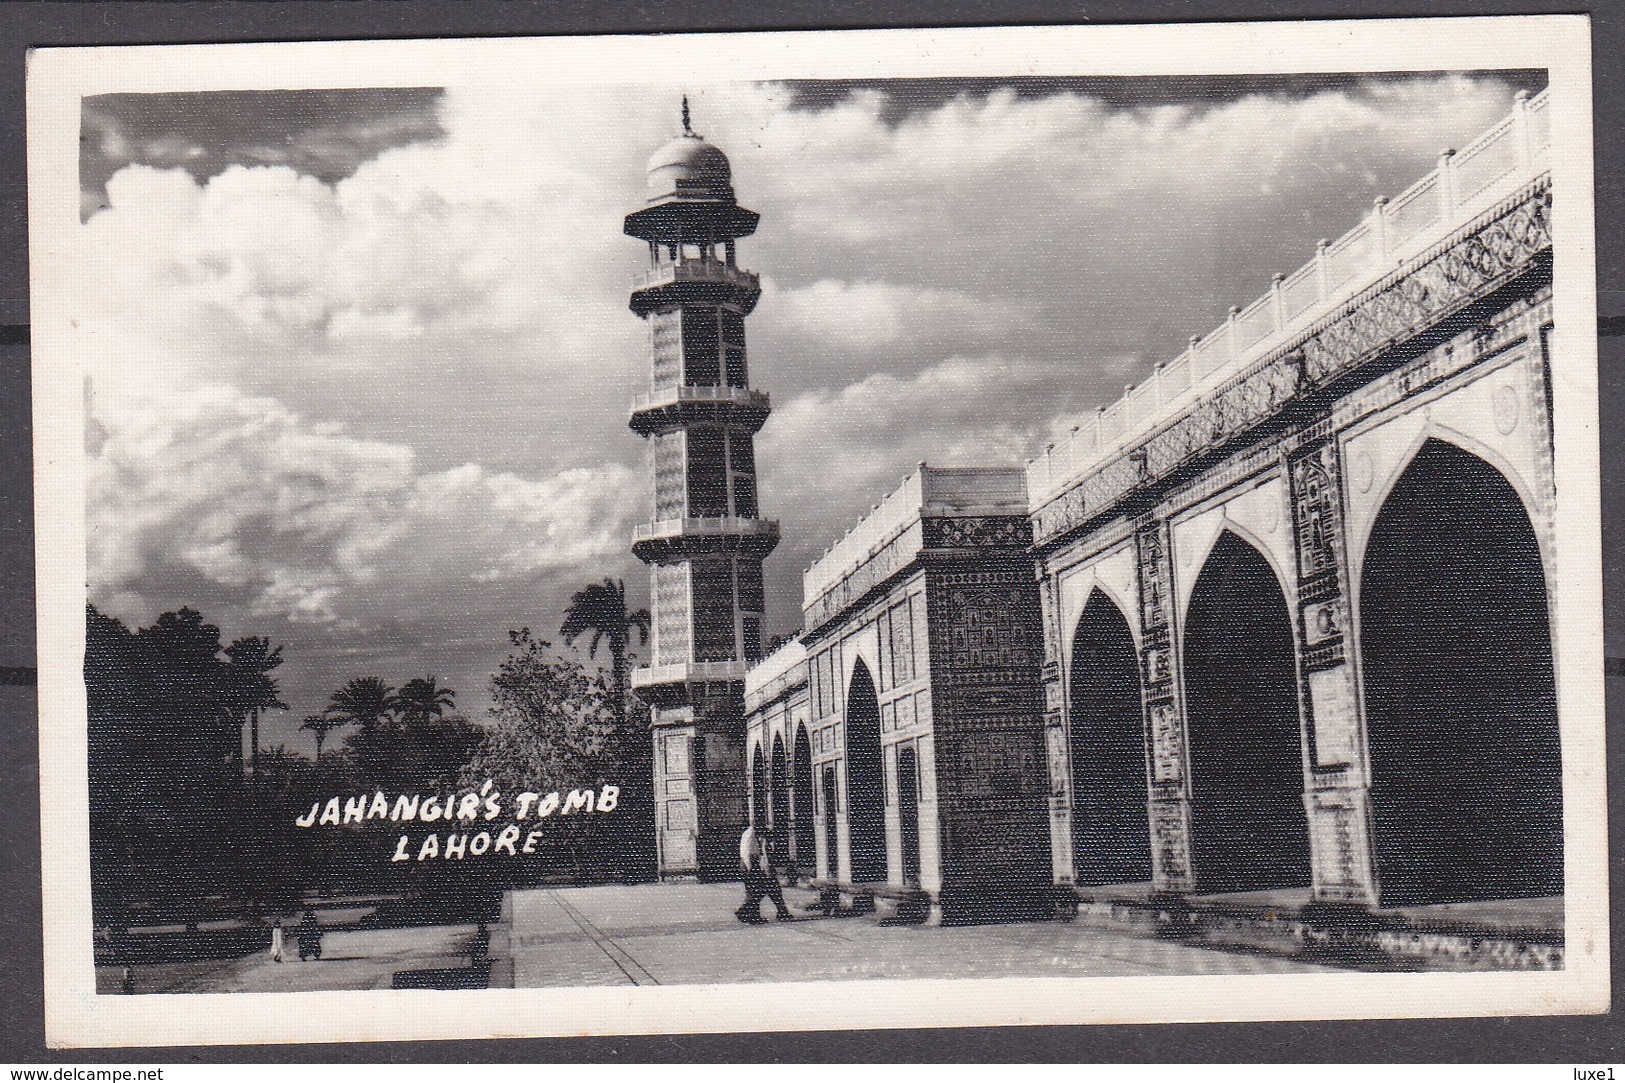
704	542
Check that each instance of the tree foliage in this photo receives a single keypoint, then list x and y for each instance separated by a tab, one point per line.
421	700
554	721
366	701
164	758
250	687
320	725
557	726
178	831
599	610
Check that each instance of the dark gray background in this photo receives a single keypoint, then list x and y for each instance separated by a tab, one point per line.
1579	1040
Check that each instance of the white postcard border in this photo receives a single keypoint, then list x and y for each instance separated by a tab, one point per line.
76	1016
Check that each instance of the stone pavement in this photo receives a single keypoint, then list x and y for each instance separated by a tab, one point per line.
680	934
351	959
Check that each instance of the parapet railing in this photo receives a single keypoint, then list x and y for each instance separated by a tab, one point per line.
884	520
777	671
671	396
711	525
926	487
1494	165
696	270
678	672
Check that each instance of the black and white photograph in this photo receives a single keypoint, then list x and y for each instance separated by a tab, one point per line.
817	530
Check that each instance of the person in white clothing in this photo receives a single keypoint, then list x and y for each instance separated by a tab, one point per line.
761	880
276	941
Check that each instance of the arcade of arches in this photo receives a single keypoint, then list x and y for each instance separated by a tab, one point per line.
1200	756
781	802
1459	708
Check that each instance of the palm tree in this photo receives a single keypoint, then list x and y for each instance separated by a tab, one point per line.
600	610
421	699
366	701
321	725
251	688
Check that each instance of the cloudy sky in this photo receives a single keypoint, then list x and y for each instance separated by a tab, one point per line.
360	360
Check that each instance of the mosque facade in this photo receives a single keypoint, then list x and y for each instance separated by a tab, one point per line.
1273	627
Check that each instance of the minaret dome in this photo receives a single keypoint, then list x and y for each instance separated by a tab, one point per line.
690	198
689	168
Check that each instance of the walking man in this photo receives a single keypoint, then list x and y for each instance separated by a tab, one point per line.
761	880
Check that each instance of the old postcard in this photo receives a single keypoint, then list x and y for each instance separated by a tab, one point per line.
1141	564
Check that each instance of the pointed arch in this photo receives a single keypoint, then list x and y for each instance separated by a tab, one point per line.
1239	533
1096	584
1433	432
803	840
865	783
1111	838
1249	831
778	789
1460	691
758	788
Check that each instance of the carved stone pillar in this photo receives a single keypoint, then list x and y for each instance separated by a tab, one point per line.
1163	702
1336	792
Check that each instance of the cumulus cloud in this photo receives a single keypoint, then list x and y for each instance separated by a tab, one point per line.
828	456
303	521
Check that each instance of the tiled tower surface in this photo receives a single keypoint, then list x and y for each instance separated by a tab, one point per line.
704	541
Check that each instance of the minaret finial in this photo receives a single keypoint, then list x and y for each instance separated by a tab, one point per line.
686	129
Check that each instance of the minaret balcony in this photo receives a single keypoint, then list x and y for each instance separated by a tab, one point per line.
674	407
677	676
673	539
697	270
694	280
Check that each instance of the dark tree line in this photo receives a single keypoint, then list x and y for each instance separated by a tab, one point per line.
184	825
164	759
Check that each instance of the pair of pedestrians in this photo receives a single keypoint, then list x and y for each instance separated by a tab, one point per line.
761	880
308	934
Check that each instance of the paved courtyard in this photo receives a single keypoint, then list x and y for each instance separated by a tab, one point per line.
351	959
677	934
685	934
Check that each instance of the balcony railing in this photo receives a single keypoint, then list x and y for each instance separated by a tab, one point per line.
1494	165
682	672
743	397
696	270
718	526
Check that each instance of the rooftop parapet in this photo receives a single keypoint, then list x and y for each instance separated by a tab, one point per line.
784	669
930	491
1465	184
